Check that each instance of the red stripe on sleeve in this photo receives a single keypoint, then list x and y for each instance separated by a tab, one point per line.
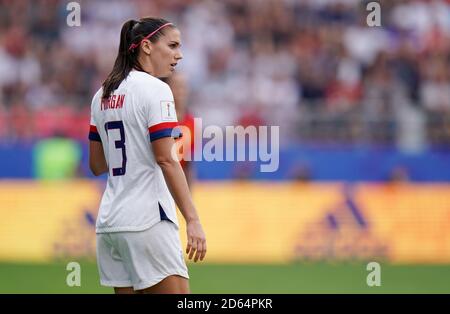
161	126
93	128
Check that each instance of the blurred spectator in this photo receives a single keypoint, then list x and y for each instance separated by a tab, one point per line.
301	172
313	67
399	174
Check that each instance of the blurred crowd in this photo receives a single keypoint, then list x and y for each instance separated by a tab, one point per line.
314	67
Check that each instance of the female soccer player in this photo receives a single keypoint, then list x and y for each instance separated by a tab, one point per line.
131	137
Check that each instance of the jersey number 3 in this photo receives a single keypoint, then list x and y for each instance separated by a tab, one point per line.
120	144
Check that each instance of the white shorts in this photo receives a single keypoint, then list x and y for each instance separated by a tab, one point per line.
140	259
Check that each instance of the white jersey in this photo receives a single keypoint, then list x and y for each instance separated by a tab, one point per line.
139	111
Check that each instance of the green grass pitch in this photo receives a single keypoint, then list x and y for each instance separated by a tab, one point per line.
260	279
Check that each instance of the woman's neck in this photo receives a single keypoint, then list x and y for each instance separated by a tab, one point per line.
145	65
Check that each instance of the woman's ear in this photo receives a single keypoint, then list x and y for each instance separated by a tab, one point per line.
146	46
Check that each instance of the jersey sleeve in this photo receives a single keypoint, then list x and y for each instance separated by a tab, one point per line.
93	132
162	116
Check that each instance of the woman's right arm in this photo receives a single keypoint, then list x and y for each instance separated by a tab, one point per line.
97	161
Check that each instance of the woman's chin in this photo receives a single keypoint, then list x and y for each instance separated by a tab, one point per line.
165	75
170	72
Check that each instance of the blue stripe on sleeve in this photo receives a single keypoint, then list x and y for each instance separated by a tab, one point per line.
160	134
94	137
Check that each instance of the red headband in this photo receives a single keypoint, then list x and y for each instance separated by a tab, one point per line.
132	46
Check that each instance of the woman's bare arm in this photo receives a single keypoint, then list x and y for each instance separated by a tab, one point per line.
177	184
97	161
